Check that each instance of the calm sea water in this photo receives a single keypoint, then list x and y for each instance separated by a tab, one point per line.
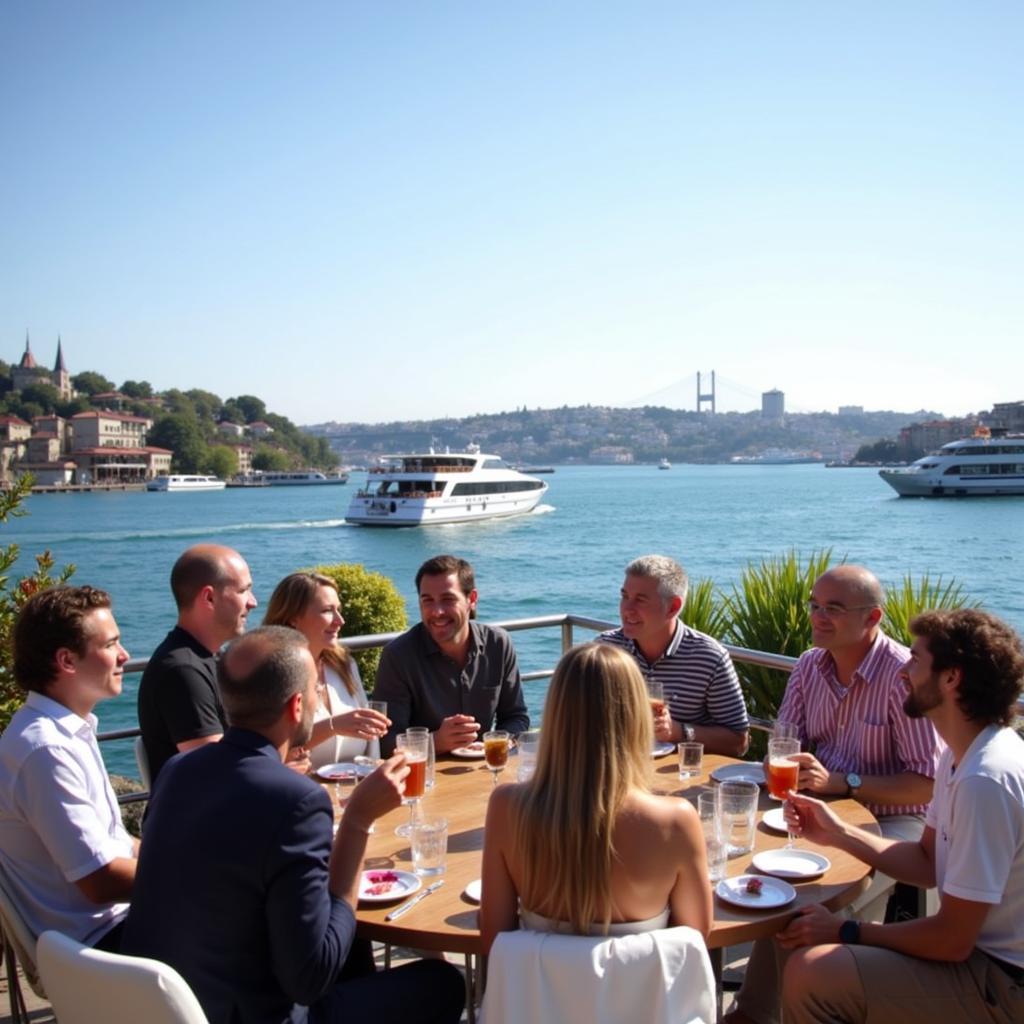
565	557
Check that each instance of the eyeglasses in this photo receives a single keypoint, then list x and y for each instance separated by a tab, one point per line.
835	611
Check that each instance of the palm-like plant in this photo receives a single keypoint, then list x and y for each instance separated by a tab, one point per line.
907	598
705	609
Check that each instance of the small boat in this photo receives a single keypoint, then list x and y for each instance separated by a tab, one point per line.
185	482
664	464
442	487
989	463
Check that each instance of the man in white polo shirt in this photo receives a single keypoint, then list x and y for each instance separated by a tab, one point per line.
62	843
965	963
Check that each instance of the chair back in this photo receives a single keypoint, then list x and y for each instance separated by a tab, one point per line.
18	937
88	985
142	763
655	977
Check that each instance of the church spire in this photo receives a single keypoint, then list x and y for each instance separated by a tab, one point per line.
59	366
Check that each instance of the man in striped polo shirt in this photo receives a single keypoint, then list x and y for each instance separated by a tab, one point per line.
846	697
702	693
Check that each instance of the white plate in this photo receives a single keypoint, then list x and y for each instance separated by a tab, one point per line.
775	819
472	891
774	892
405	883
793	863
473	752
661	749
343	770
749	771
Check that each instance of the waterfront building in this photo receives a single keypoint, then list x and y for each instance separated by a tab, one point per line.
932	434
1009	415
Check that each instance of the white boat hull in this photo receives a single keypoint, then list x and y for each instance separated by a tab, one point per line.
185	483
909	483
398	511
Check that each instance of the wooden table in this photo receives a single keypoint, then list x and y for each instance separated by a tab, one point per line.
447	921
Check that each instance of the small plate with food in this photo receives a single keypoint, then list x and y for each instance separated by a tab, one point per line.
755	892
471	751
382	886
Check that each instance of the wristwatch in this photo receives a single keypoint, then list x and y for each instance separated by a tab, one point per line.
849	933
853	783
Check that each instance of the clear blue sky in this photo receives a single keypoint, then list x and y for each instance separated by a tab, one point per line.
389	210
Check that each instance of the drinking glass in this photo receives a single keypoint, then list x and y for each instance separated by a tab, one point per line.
415	747
707	808
378	705
782	772
430	751
656	695
737	815
785	730
691	757
429	846
496	752
527	744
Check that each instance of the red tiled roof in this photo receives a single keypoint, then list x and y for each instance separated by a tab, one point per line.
124	416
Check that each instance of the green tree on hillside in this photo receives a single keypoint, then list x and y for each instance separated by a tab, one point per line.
137	389
91	383
180	432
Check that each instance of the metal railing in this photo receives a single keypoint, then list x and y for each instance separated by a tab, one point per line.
567	623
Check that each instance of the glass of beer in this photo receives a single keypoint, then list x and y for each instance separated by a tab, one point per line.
496	752
414	744
782	771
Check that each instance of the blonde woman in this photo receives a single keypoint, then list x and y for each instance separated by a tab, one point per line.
584	846
344	726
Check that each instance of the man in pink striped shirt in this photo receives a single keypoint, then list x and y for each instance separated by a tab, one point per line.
845	696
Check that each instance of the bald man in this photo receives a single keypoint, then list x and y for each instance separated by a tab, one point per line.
179	706
846	697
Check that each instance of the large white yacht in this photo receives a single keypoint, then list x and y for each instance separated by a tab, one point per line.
185	482
990	463
292	478
416	490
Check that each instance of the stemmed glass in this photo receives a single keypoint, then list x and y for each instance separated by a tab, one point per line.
496	752
415	747
783	773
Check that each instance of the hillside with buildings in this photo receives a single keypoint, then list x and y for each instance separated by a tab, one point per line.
79	430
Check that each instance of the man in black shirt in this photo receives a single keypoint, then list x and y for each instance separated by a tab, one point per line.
179	707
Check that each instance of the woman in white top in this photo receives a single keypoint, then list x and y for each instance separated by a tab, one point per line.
344	727
584	846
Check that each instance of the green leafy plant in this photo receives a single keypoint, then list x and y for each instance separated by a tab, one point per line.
908	598
12	597
705	609
767	611
370	603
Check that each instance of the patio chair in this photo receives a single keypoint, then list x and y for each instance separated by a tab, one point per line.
88	985
657	977
142	763
19	946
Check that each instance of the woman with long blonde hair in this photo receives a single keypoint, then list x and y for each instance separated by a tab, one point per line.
344	726
584	846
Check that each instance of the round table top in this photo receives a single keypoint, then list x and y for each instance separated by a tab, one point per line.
447	919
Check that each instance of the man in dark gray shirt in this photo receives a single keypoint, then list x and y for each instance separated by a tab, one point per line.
449	672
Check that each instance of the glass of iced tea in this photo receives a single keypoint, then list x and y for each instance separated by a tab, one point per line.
782	771
414	744
496	752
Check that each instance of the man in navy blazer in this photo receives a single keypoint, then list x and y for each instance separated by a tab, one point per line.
240	887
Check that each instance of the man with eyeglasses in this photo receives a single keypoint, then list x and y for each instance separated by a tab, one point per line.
845	696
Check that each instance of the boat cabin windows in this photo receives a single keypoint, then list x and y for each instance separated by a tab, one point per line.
463	490
989	469
493	464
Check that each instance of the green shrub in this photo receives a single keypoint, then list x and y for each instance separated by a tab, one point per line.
705	610
370	603
906	599
767	611
13	597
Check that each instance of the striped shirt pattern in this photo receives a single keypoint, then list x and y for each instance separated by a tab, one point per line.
697	674
861	728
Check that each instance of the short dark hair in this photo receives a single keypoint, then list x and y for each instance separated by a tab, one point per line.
259	673
442	565
200	566
48	621
987	652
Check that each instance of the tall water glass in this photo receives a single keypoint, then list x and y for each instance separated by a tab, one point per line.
415	747
714	844
737	815
527	744
431	760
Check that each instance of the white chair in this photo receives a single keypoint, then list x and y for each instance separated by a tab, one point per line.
142	763
87	986
657	977
19	946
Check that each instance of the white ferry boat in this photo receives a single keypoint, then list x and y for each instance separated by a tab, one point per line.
990	463
185	482
664	464
293	478
416	490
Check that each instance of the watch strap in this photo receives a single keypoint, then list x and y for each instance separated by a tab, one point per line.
849	933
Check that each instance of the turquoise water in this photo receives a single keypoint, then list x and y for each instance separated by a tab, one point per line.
565	557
